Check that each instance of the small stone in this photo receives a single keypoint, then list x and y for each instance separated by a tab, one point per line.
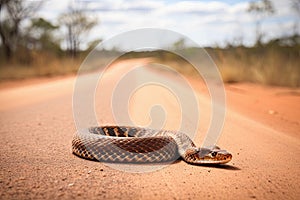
272	112
71	184
101	170
37	186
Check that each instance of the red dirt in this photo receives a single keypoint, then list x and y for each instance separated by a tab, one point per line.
261	130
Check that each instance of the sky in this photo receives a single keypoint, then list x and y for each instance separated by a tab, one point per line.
207	22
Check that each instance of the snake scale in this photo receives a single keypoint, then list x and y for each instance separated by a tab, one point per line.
142	145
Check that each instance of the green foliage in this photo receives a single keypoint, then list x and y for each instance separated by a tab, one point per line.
93	44
44	25
13	13
179	44
40	36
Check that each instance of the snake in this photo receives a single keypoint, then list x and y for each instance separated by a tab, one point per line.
125	144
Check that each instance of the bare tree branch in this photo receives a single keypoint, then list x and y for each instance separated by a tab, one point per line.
260	9
78	24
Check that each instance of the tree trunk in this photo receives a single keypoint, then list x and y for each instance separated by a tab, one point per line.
5	42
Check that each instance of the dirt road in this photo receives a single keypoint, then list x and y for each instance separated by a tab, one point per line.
36	128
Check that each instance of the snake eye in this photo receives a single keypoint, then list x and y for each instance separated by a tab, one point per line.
213	154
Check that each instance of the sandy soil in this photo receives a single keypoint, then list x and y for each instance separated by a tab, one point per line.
261	130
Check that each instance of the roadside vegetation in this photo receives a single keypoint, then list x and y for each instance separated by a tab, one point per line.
42	48
273	63
270	64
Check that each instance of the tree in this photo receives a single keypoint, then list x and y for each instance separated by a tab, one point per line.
78	24
296	7
13	13
93	44
179	44
41	32
260	9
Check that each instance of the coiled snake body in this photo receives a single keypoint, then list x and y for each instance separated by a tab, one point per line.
140	145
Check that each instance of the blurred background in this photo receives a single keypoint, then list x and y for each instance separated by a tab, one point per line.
250	41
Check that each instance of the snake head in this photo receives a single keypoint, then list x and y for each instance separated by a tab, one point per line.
208	156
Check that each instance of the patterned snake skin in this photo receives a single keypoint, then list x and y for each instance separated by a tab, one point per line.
141	145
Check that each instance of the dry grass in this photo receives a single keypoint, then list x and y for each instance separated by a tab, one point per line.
264	65
40	65
54	68
271	66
